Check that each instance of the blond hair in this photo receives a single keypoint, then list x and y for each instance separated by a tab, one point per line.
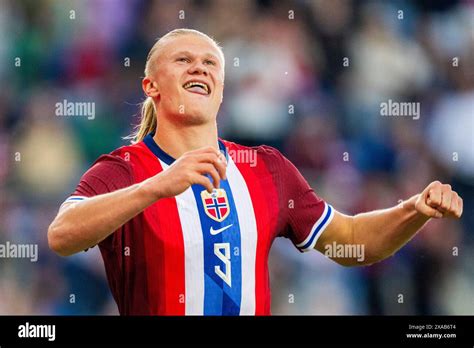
148	119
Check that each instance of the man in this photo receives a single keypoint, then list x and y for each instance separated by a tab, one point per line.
184	228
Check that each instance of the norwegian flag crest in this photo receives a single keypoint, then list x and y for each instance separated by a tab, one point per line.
216	204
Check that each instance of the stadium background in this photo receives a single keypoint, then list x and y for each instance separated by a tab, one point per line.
355	158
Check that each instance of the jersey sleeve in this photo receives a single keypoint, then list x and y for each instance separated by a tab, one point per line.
109	173
306	214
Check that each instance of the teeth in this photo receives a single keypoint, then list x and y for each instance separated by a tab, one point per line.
192	84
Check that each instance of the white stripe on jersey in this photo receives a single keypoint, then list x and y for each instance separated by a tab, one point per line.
71	199
248	236
318	224
193	251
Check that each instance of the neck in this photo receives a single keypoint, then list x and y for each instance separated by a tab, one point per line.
175	140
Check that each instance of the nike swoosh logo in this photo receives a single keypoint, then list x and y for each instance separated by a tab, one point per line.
214	232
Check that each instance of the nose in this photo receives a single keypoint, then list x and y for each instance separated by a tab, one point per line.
198	68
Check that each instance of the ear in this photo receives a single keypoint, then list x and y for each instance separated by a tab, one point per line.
150	88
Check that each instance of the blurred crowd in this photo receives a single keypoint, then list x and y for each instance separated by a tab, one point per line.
307	77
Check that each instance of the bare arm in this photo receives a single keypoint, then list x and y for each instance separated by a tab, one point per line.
83	224
381	233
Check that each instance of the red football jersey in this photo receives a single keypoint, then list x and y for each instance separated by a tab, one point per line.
201	253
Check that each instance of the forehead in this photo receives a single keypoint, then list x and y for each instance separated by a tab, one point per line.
195	44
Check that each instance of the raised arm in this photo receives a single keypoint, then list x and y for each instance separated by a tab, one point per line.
81	225
383	232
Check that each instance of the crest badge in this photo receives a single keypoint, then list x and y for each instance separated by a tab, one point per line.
216	205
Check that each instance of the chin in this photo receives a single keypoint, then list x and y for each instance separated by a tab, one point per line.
195	117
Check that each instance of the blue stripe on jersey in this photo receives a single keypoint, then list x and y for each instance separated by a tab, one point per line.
219	297
318	228
75	199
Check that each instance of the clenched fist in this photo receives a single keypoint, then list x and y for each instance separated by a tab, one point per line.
439	200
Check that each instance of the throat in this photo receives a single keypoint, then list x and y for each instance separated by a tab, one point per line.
176	142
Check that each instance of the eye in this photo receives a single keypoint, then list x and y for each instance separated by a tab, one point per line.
183	59
209	62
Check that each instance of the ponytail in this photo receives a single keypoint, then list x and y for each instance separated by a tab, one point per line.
147	121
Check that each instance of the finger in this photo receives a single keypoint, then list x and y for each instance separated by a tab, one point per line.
446	198
428	211
433	198
221	166
204	181
453	208
222	158
208	168
460	204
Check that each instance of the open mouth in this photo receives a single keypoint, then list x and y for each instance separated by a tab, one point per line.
197	87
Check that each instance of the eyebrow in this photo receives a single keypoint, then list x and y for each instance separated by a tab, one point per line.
208	55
